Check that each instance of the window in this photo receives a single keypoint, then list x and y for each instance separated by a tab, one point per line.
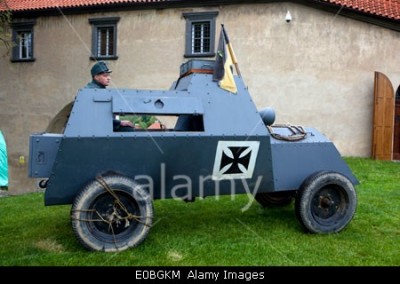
200	34
22	37
172	123
104	38
149	109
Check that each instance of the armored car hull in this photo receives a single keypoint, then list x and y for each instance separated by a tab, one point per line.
219	143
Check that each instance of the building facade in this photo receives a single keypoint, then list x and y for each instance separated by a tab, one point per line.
315	69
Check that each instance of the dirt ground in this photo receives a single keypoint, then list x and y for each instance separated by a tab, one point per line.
4	193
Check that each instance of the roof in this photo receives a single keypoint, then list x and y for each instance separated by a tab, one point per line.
384	8
389	9
33	5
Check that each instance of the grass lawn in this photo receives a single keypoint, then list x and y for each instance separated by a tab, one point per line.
215	232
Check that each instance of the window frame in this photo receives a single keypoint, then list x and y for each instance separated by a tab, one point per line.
17	28
101	23
195	18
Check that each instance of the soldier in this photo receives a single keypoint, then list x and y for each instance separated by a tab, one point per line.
101	78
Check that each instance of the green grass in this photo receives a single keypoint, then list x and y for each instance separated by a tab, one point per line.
215	231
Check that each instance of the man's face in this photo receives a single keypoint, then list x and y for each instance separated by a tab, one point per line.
103	78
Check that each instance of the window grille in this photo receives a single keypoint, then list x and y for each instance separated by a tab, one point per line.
200	34
104	38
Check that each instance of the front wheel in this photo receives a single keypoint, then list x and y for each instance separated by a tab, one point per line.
326	202
112	213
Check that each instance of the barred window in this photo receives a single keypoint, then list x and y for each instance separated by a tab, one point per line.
104	38
201	37
105	42
200	34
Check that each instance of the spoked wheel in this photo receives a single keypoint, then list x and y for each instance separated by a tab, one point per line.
112	213
326	203
275	199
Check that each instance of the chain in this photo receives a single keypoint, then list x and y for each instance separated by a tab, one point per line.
298	132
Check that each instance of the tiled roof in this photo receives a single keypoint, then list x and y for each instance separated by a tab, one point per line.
26	5
385	8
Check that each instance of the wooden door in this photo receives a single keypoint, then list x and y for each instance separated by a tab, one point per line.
396	139
383	125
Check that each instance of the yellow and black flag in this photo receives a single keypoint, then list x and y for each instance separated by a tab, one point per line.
225	58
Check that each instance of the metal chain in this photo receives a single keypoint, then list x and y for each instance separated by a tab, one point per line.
129	216
298	132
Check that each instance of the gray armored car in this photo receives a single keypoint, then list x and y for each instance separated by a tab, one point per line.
213	143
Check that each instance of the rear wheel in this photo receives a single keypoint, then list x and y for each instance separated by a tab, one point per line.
112	213
326	202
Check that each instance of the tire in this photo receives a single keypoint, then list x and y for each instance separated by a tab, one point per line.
275	199
112	213
326	203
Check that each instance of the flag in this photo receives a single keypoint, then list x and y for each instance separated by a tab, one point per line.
225	58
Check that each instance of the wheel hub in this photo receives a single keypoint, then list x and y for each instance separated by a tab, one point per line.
326	202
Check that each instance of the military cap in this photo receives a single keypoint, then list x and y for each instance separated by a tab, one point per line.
100	67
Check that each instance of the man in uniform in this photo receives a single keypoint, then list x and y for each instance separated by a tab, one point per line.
101	78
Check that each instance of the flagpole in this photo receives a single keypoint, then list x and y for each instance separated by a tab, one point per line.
232	53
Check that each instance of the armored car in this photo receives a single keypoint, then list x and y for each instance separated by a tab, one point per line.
211	142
